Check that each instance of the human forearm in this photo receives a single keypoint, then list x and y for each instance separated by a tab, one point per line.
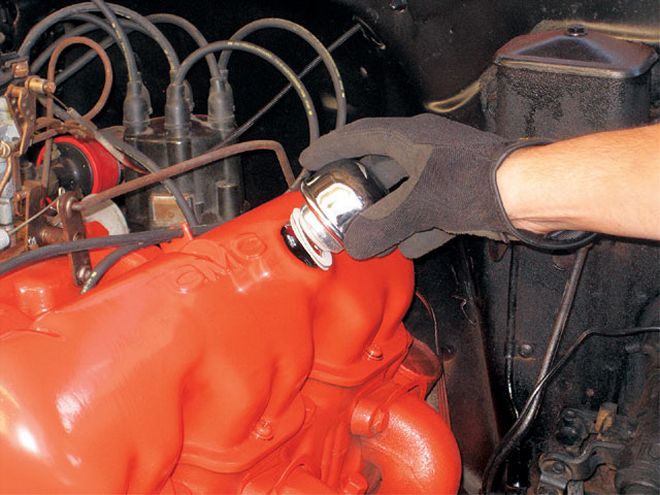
607	182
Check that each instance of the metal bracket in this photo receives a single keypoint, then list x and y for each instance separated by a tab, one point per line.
22	105
597	439
74	230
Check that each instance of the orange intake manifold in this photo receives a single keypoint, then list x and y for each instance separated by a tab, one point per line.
219	364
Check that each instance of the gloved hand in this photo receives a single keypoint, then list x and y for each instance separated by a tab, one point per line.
450	187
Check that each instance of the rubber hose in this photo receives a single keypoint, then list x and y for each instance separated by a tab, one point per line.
87	7
47	252
192	31
274	60
93	23
64	13
313	41
148	237
108	262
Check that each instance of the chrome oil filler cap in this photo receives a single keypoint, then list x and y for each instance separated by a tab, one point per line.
334	196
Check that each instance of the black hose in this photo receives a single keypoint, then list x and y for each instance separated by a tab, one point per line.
192	31
108	262
243	128
97	23
91	24
313	41
510	340
603	332
563	240
87	7
149	237
47	252
533	403
120	35
146	28
266	55
80	8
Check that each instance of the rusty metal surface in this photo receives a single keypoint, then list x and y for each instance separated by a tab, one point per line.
74	230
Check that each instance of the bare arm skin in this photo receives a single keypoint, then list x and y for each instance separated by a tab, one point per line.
607	182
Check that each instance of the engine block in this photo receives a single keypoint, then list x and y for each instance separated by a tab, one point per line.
219	364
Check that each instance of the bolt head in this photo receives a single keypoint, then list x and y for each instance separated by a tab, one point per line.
558	467
447	352
654	451
526	350
83	273
568	435
576	30
398	5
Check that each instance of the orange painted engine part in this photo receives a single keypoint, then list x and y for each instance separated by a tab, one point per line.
220	364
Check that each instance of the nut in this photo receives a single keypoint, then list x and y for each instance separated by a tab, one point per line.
264	430
374	352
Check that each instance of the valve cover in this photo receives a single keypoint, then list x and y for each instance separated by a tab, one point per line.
219	364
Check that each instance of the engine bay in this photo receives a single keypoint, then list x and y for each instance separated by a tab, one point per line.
177	313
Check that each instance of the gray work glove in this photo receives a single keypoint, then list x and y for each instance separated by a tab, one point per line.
450	187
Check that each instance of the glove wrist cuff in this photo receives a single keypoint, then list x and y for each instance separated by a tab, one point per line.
512	232
565	240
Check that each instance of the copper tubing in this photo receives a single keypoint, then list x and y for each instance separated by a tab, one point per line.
7	175
107	69
187	166
98	106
